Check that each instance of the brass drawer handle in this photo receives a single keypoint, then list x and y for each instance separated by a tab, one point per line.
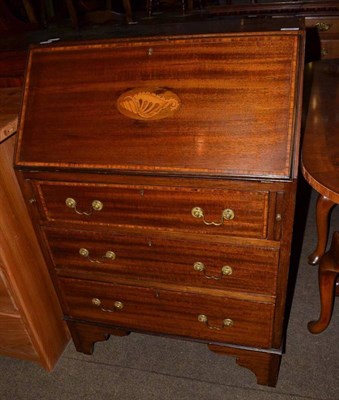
226	323
227	215
96	206
118	305
226	270
323	26
110	255
324	52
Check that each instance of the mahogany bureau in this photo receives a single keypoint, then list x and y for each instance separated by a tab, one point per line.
160	172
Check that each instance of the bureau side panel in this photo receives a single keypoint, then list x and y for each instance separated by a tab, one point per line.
25	269
15	340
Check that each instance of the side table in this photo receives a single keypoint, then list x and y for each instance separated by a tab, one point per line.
320	167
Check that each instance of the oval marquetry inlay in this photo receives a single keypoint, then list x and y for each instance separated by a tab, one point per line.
148	104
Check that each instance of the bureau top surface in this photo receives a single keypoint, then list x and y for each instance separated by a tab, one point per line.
213	103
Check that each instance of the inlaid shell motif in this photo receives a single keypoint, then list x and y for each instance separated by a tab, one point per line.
148	104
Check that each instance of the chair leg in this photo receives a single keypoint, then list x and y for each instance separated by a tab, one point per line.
328	273
72	13
151	5
30	12
324	206
128	11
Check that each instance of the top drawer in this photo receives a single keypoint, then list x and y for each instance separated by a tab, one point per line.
325	25
208	211
222	105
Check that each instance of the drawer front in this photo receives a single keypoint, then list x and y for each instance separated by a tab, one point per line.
329	49
176	313
325	25
224	212
159	258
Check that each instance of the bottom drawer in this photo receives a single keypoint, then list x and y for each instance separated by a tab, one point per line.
198	316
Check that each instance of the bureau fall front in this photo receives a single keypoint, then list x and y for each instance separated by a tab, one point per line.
159	167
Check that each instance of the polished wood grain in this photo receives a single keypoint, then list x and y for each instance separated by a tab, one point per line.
34	330
7	304
329	49
328	274
219	106
151	257
170	312
326	25
323	36
320	167
167	208
12	66
264	365
86	335
151	193
324	206
9	105
15	339
320	160
320	153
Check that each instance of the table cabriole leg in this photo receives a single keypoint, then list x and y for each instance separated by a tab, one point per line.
324	206
328	273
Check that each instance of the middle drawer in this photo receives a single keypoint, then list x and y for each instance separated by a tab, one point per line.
162	258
